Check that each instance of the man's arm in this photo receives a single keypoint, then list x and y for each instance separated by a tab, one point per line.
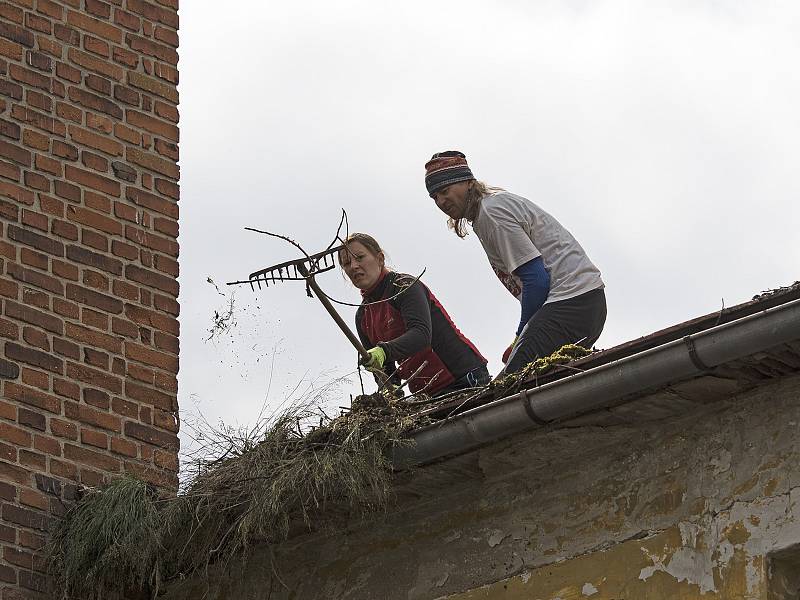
535	288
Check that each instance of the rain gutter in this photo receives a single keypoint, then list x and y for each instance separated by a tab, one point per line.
603	386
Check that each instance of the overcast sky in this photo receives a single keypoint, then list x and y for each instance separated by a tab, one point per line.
664	136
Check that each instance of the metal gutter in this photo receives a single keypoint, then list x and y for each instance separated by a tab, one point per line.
603	385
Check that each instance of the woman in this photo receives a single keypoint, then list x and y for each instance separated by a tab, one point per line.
409	334
534	256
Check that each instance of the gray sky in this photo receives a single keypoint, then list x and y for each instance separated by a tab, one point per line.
665	136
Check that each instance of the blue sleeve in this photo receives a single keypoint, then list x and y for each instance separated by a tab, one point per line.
535	288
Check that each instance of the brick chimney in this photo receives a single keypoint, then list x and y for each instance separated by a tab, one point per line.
88	254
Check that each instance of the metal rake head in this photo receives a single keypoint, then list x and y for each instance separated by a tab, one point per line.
293	270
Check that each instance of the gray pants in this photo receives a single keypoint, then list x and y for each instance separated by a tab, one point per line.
578	320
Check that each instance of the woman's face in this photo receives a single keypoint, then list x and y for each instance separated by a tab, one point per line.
452	200
361	265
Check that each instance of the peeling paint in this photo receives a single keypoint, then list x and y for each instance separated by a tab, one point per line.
588	589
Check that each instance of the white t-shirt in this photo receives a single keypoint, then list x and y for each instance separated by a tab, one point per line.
513	230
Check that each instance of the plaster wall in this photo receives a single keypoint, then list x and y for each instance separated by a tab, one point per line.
693	507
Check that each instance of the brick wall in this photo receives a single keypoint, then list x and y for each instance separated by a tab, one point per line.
88	259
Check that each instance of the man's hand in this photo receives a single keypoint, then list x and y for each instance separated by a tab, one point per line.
377	356
507	353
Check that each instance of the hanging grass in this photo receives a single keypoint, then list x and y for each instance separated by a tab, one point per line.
256	486
111	537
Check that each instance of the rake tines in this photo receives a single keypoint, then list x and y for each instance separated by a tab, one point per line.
292	270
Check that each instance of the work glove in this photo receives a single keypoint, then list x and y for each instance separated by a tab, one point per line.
377	356
507	353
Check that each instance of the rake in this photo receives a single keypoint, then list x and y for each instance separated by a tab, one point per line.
306	269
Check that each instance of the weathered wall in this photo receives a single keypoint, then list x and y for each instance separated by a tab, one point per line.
88	258
687	508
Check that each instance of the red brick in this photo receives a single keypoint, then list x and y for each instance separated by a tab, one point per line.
20	194
33	258
30	315
149	240
64	150
98	142
65	230
29	77
154	12
101	85
34	357
94	438
101	28
47	445
10	171
64	429
168	36
92	298
93	63
91	458
36	338
37	60
36	181
123	250
94	181
35	278
152	201
151	435
34	499
96	46
15	33
32	397
65	71
63	470
39	100
151	124
10	49
16	153
50	46
37	23
97	398
34	460
94	377
93	318
48	165
94	338
66	308
14	473
12	13
123	447
51	206
126	19
94	240
15	435
12	90
69	112
9	129
36	298
90	416
94	161
39	120
127	134
94	102
51	9
150	357
66	348
68	35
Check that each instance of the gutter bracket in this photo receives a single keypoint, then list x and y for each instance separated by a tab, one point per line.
523	396
694	357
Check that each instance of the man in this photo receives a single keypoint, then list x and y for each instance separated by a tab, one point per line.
534	256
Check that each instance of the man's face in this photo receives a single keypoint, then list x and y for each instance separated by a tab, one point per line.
452	200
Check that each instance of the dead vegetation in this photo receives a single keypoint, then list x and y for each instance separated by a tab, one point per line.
297	471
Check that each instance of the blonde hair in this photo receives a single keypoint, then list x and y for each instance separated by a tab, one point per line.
475	193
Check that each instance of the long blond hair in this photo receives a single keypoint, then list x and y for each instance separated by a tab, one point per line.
475	193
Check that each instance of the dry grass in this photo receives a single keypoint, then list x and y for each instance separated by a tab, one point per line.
254	486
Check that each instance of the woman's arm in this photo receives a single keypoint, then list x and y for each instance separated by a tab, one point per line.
416	312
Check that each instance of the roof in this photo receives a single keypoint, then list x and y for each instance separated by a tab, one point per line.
666	373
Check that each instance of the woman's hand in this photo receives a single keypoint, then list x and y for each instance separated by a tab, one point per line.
377	356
